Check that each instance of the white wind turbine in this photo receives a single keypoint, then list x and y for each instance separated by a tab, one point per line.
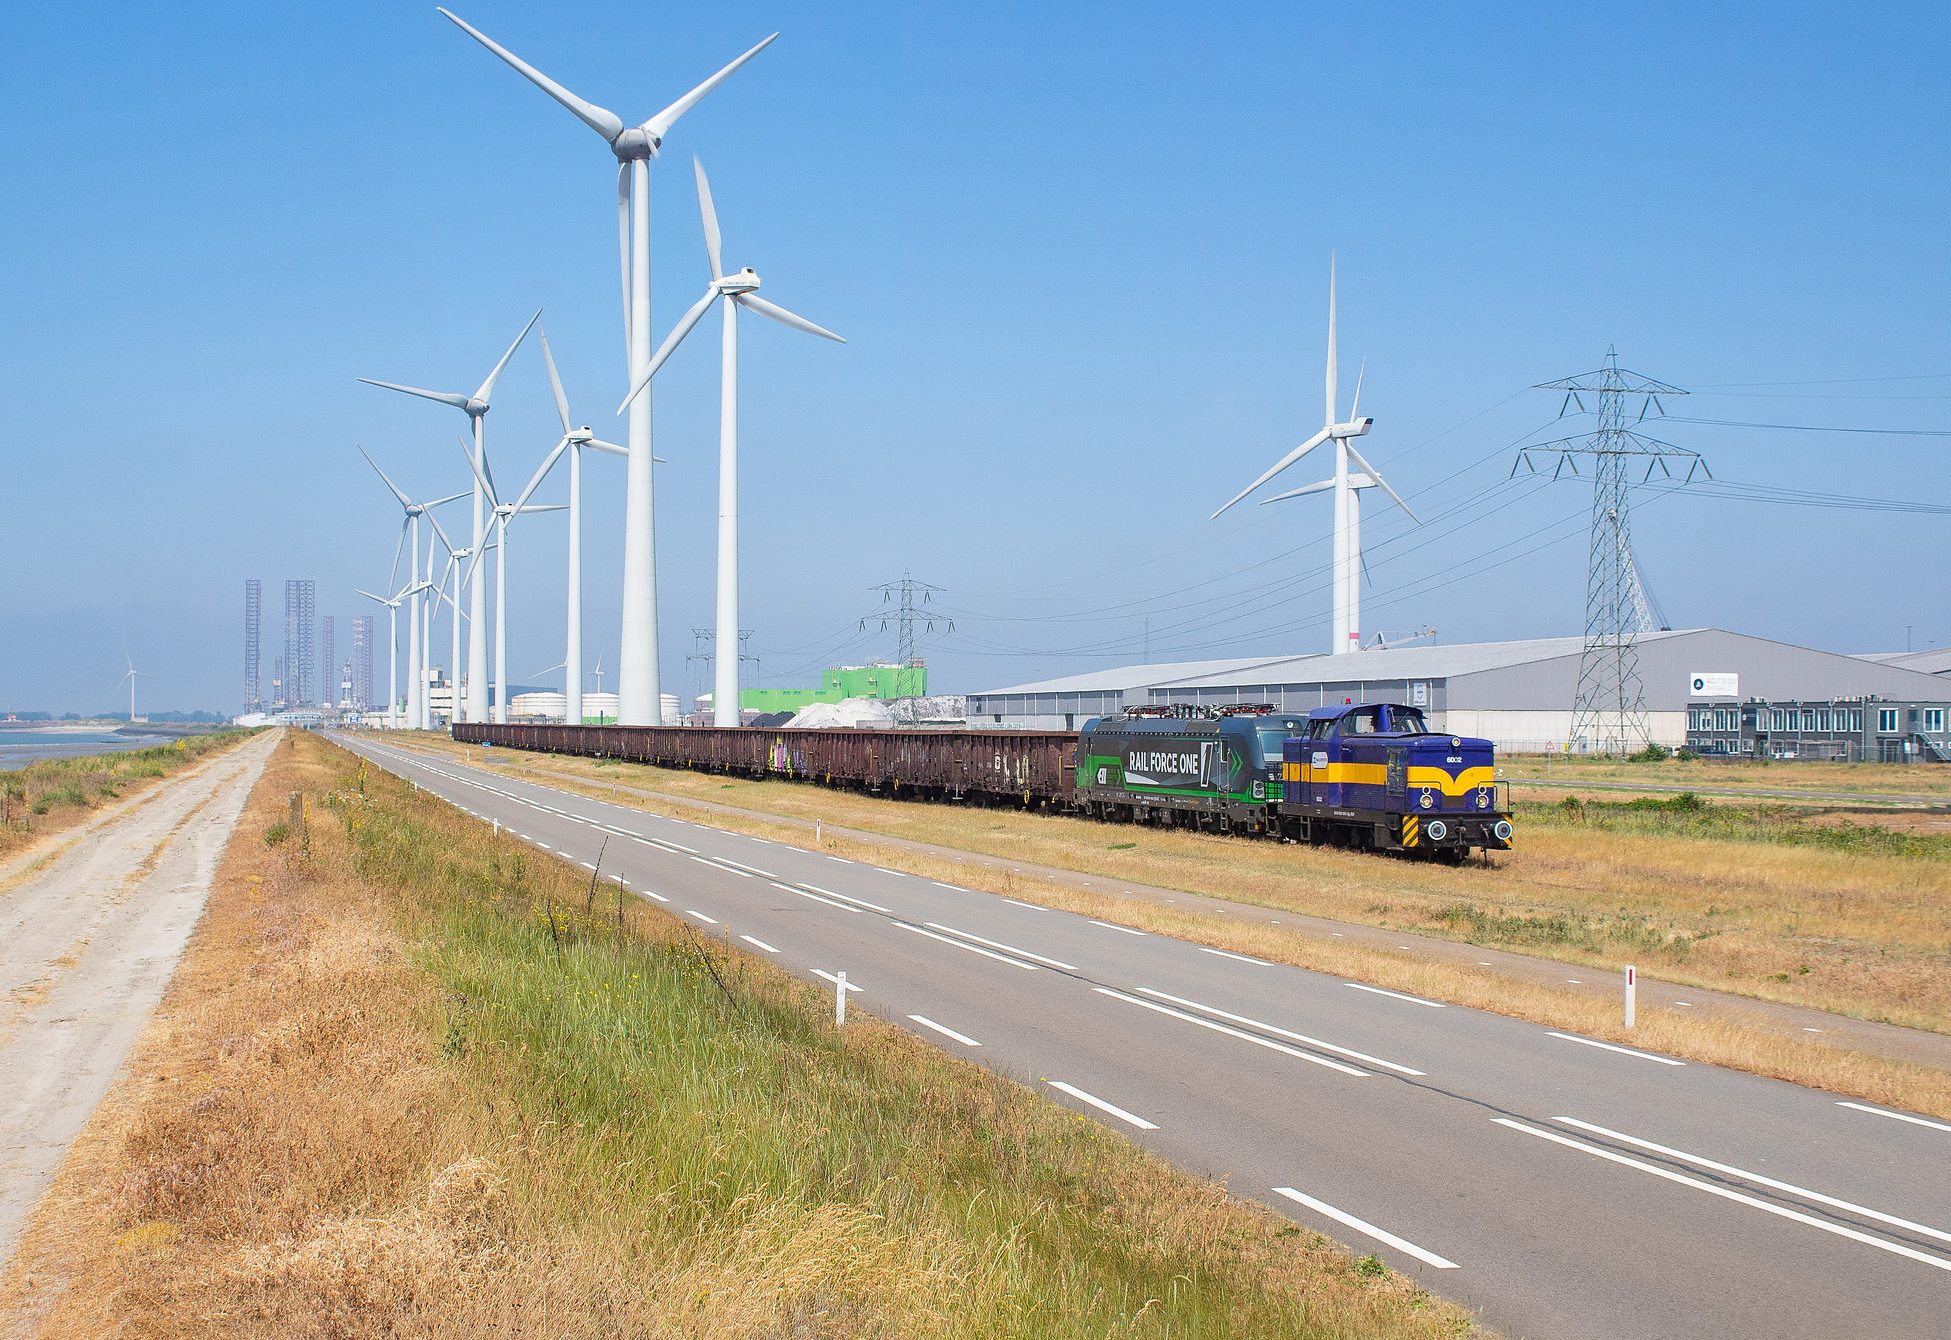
1346	486
574	440
393	718
476	408
132	675
503	513
416	688
731	292
634	147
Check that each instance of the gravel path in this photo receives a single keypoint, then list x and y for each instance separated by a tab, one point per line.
88	938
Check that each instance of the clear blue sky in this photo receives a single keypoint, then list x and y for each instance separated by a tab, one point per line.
1080	253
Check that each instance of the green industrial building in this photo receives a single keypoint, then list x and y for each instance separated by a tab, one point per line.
841	682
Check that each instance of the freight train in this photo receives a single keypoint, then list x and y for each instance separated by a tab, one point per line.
1369	776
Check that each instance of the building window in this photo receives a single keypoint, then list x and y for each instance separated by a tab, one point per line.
1808	719
1886	720
1934	720
1822	718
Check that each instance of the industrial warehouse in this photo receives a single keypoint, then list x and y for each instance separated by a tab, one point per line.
1519	694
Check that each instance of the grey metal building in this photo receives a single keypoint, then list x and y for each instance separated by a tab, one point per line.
1518	693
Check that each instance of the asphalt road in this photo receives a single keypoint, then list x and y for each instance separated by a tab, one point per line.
1562	1187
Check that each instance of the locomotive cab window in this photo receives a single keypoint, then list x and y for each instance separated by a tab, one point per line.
1362	721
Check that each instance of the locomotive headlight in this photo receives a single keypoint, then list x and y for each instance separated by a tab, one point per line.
1427	800
1503	830
1436	830
1259	790
1483	798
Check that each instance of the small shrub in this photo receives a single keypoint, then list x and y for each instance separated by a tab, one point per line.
1653	753
1686	755
1572	807
1371	1266
277	833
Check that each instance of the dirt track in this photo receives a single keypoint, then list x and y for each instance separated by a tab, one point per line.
89	935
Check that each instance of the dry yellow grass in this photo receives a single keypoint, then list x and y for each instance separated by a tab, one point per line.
1865	779
382	1100
1633	894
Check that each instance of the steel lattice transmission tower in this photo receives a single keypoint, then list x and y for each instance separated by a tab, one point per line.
1609	715
907	615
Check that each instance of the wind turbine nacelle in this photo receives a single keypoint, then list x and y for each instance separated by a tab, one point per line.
743	281
1353	428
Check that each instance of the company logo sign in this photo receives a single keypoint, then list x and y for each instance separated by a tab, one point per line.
1712	684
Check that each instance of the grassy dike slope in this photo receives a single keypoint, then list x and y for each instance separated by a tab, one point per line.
46	797
414	1080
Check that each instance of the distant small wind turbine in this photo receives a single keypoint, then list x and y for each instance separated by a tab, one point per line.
416	688
392	652
476	408
1348	516
503	513
132	674
732	292
574	439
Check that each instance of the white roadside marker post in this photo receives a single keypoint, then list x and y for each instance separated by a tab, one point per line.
819	834
1632	992
840	1000
497	828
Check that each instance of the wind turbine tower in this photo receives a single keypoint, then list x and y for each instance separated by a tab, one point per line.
641	702
1346	485
1609	716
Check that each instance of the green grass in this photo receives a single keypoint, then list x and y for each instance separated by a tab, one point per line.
53	790
689	1101
1687	815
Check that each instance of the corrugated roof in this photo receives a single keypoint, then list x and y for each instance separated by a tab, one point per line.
1936	661
1421	661
1135	676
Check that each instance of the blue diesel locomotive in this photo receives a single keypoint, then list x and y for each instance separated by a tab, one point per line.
1368	776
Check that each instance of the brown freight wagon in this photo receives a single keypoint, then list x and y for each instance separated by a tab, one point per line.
1029	768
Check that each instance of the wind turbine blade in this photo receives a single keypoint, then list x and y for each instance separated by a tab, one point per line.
710	213
784	317
404	500
623	250
393	573
473	562
1331	339
369	595
1275	469
487	484
488	386
670	344
555	382
442	502
611	447
1322	487
453	398
1380	482
660	125
541	473
545	507
599	119
1355	410
441	533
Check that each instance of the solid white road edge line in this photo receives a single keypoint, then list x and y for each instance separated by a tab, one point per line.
1725	1194
1757	1178
1268	1043
1103	1106
1007	949
761	944
1274	1028
1898	1116
1381	1235
973	949
821	972
945	1030
1611	1047
1397	995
